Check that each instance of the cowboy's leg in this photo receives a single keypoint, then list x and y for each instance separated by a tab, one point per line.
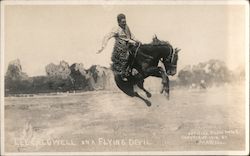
126	67
123	61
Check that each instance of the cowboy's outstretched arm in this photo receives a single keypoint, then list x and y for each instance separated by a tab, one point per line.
105	41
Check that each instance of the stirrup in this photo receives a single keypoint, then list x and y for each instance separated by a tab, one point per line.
124	79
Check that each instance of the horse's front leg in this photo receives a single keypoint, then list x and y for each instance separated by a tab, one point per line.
159	72
165	87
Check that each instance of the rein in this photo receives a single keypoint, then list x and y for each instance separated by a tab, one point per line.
136	52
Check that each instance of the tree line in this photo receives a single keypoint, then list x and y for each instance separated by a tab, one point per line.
59	78
212	72
63	77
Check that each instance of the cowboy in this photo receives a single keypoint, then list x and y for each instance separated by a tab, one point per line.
123	38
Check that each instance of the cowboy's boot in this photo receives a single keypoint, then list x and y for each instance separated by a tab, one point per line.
127	71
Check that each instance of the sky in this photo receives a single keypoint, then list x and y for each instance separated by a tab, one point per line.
43	34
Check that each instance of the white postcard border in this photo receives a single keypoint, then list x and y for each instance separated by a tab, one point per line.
130	2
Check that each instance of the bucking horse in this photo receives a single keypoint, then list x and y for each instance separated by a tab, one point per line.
144	60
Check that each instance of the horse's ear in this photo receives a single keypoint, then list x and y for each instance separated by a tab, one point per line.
155	37
177	50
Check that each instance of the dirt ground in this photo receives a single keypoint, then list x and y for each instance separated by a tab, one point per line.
192	119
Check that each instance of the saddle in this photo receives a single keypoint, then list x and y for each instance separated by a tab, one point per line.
133	51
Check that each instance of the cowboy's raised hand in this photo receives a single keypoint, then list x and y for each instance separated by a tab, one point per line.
132	42
99	51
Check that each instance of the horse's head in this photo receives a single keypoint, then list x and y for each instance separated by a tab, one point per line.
161	50
170	61
169	55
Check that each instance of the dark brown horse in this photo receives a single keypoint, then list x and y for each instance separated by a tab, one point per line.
145	58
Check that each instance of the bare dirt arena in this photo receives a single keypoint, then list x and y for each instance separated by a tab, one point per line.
192	119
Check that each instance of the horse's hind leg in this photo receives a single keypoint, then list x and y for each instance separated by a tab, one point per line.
128	89
141	86
145	100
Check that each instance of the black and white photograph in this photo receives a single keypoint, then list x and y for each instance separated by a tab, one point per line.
124	77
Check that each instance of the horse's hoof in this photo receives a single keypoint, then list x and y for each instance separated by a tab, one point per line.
149	95
162	90
148	103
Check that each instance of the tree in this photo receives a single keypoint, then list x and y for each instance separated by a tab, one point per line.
14	71
60	71
78	76
185	75
59	76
